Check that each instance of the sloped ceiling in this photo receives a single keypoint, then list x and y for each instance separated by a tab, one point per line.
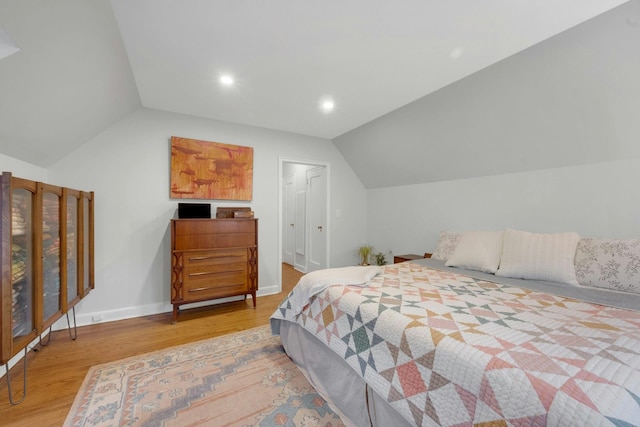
84	65
70	80
572	100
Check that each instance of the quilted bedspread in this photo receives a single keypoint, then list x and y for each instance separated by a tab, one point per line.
446	349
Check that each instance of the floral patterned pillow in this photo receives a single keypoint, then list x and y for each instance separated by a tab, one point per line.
609	263
447	243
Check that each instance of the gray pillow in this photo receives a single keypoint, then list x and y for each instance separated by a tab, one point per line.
609	263
447	243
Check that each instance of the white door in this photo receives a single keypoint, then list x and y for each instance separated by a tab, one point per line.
301	231
317	218
289	218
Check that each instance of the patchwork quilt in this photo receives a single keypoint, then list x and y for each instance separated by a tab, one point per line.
448	350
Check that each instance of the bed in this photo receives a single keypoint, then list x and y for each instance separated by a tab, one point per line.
422	343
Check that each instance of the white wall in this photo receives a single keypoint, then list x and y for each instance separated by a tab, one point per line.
128	168
599	200
21	169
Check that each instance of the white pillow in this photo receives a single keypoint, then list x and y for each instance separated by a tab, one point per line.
539	256
478	250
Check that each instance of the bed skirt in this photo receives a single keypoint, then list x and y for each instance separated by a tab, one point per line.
343	389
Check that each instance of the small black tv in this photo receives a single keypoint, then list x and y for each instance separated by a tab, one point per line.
194	210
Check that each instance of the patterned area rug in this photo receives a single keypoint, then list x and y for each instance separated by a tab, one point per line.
242	379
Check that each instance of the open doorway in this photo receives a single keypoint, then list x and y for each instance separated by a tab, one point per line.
304	214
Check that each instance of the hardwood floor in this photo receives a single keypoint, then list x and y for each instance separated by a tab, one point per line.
56	372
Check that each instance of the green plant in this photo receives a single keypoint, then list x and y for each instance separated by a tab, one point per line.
364	252
380	258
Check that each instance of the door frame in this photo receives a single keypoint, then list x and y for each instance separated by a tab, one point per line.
281	161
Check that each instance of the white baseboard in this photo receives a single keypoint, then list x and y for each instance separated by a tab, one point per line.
84	319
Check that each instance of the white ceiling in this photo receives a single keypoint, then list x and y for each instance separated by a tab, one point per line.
74	76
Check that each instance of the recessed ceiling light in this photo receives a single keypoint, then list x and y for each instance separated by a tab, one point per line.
226	80
327	105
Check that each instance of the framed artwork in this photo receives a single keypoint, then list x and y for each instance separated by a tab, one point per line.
210	170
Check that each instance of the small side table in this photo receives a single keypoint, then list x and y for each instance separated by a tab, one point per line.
409	257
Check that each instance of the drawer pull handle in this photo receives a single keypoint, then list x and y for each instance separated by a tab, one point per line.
206	289
202	258
204	273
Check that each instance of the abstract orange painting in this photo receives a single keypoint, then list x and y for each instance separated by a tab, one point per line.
210	170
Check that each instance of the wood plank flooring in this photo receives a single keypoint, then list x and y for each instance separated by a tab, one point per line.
56	372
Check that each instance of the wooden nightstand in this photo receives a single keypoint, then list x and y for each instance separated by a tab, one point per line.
409	257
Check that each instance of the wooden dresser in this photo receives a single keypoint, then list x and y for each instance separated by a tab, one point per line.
213	258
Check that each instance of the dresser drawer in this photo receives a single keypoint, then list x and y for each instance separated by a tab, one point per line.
225	226
221	257
211	272
201	285
221	240
194	234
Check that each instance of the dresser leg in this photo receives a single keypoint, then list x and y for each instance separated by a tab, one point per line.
175	314
253	295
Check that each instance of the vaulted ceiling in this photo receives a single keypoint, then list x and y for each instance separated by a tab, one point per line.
84	65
